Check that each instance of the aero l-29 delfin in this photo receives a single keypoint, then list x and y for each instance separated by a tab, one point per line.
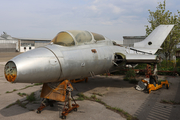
76	54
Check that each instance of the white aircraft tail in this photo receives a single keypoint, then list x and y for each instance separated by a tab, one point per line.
153	42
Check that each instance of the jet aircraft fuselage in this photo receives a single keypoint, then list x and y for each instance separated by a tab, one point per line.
77	54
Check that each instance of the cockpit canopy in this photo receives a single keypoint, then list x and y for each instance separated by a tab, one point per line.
76	37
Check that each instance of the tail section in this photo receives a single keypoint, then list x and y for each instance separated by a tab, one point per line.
153	42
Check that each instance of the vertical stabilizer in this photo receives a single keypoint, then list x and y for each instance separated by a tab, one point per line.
155	39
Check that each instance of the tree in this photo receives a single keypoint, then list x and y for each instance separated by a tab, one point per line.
161	16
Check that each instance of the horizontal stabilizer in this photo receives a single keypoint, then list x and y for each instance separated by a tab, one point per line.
140	58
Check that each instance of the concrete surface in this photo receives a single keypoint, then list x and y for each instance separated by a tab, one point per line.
116	93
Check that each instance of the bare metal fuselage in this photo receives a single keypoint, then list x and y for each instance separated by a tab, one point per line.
54	63
79	54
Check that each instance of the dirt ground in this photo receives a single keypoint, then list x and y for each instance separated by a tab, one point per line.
112	90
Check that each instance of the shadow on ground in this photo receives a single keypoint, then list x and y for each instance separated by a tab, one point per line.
153	109
96	82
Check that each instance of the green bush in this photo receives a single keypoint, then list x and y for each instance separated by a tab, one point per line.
163	66
130	74
141	66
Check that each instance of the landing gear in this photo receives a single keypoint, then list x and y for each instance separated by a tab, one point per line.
148	91
63	117
75	109
167	86
38	112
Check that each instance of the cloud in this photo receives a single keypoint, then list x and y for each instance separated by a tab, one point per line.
93	8
115	9
96	1
44	18
107	23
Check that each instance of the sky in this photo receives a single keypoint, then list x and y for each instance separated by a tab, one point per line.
45	18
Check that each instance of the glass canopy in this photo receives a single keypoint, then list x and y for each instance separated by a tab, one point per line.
73	37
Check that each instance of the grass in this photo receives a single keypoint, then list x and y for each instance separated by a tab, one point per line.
11	105
115	109
130	76
8	92
26	87
99	94
81	96
93	96
31	97
22	94
170	102
21	104
18	102
35	84
11	91
14	90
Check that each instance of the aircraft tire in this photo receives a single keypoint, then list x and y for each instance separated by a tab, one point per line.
75	109
38	112
167	86
63	117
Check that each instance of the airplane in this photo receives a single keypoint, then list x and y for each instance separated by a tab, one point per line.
76	54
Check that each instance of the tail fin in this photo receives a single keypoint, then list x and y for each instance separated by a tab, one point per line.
155	39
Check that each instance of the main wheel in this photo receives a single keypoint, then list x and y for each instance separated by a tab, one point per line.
167	86
63	117
51	105
38	112
148	91
75	109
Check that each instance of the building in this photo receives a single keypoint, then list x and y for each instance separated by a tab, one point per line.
27	44
12	44
8	44
130	40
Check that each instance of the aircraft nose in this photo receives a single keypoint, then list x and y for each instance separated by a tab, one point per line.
36	66
10	71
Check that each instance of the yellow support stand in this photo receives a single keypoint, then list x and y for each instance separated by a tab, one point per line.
151	87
